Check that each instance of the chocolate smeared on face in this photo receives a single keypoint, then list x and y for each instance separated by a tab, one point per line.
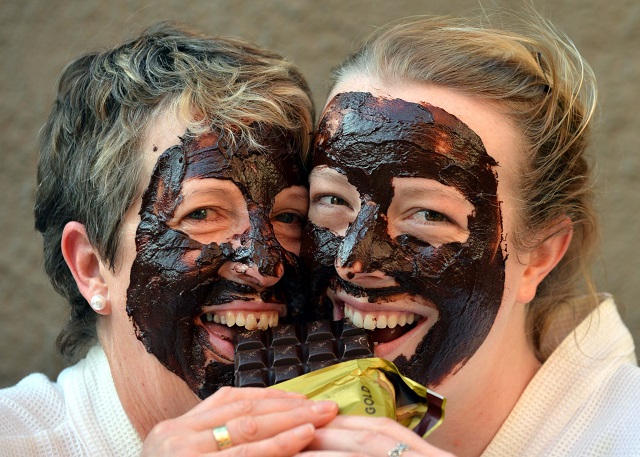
378	145
174	277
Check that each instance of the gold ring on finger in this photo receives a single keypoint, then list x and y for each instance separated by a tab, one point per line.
221	435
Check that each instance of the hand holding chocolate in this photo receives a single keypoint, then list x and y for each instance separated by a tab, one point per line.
332	360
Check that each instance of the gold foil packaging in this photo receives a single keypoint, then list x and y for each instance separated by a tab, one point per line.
373	387
334	360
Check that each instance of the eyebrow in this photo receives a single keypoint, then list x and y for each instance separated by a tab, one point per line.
299	196
329	174
207	191
416	190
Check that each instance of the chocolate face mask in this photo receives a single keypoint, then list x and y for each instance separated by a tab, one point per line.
374	143
174	277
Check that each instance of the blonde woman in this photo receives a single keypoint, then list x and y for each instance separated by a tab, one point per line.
452	216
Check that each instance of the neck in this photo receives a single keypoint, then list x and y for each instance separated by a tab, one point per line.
482	394
148	392
473	419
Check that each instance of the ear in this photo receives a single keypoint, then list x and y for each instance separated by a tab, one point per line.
84	262
544	257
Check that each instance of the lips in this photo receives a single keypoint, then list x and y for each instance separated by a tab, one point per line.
222	322
397	324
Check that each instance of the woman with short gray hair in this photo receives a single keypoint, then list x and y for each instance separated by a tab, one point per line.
171	197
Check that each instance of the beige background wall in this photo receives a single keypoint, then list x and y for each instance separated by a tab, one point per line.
38	37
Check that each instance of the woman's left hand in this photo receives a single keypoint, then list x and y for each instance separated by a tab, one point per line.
241	421
369	436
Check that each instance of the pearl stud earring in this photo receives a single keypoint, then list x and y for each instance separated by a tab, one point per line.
98	302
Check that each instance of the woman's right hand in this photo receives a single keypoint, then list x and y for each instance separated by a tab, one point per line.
369	436
264	422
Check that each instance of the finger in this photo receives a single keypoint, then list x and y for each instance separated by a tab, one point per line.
379	425
258	427
253	428
371	436
227	395
285	444
187	432
307	453
220	415
170	438
361	442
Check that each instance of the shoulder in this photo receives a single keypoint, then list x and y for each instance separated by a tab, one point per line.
603	394
617	398
583	400
610	422
42	417
33	418
32	404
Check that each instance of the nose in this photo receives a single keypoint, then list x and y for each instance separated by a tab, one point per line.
365	250
250	274
259	260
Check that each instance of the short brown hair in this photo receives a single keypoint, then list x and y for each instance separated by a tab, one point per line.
90	160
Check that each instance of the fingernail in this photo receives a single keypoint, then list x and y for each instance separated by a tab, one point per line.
304	431
324	407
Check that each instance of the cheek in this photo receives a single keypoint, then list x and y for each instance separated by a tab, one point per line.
515	262
128	254
515	267
118	280
190	258
319	246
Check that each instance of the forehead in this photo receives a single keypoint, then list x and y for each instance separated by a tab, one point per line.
502	140
366	137
210	156
373	132
277	162
161	134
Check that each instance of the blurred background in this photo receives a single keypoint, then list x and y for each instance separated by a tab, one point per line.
38	38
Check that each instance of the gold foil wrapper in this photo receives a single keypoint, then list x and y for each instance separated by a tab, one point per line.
373	387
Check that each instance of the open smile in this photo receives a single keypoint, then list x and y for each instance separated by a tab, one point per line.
222	322
397	324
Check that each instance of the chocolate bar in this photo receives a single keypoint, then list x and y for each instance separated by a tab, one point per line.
267	357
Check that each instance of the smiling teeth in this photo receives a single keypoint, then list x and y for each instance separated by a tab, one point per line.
248	320
370	321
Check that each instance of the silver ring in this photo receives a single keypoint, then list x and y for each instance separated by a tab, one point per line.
397	450
221	435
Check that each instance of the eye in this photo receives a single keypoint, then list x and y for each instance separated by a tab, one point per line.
331	200
428	215
429	211
289	218
197	215
202	215
334	201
